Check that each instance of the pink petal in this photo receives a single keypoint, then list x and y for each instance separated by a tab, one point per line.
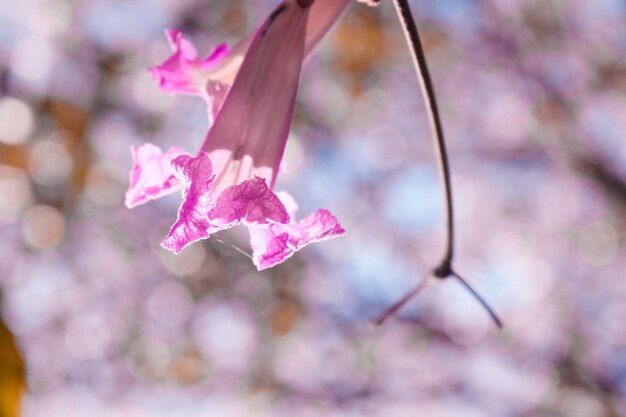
273	244
251	201
323	15
263	94
151	176
184	72
193	222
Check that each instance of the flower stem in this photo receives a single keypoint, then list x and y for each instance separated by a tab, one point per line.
480	299
392	309
444	269
428	92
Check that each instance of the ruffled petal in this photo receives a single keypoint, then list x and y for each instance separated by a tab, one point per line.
193	221
184	72
251	202
274	243
151	176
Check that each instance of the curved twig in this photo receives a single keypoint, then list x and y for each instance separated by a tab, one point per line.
444	269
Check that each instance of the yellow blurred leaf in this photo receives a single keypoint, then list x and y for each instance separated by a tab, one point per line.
12	374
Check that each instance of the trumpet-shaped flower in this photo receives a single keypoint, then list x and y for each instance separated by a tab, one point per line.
230	180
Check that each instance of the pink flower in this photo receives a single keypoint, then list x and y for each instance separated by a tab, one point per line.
184	72
230	180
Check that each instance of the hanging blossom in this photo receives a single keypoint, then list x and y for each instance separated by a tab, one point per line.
250	92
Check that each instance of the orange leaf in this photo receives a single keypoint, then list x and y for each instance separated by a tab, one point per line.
12	374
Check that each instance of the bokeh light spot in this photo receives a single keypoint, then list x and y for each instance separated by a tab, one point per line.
52	17
187	262
50	163
102	189
170	304
43	227
87	336
226	335
149	358
598	243
15	193
33	58
385	148
16	121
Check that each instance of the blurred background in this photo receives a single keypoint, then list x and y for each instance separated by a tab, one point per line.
98	320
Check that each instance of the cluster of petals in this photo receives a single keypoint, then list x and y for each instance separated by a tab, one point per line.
250	92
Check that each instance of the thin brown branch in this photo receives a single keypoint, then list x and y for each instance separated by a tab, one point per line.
603	175
428	93
392	309
444	269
